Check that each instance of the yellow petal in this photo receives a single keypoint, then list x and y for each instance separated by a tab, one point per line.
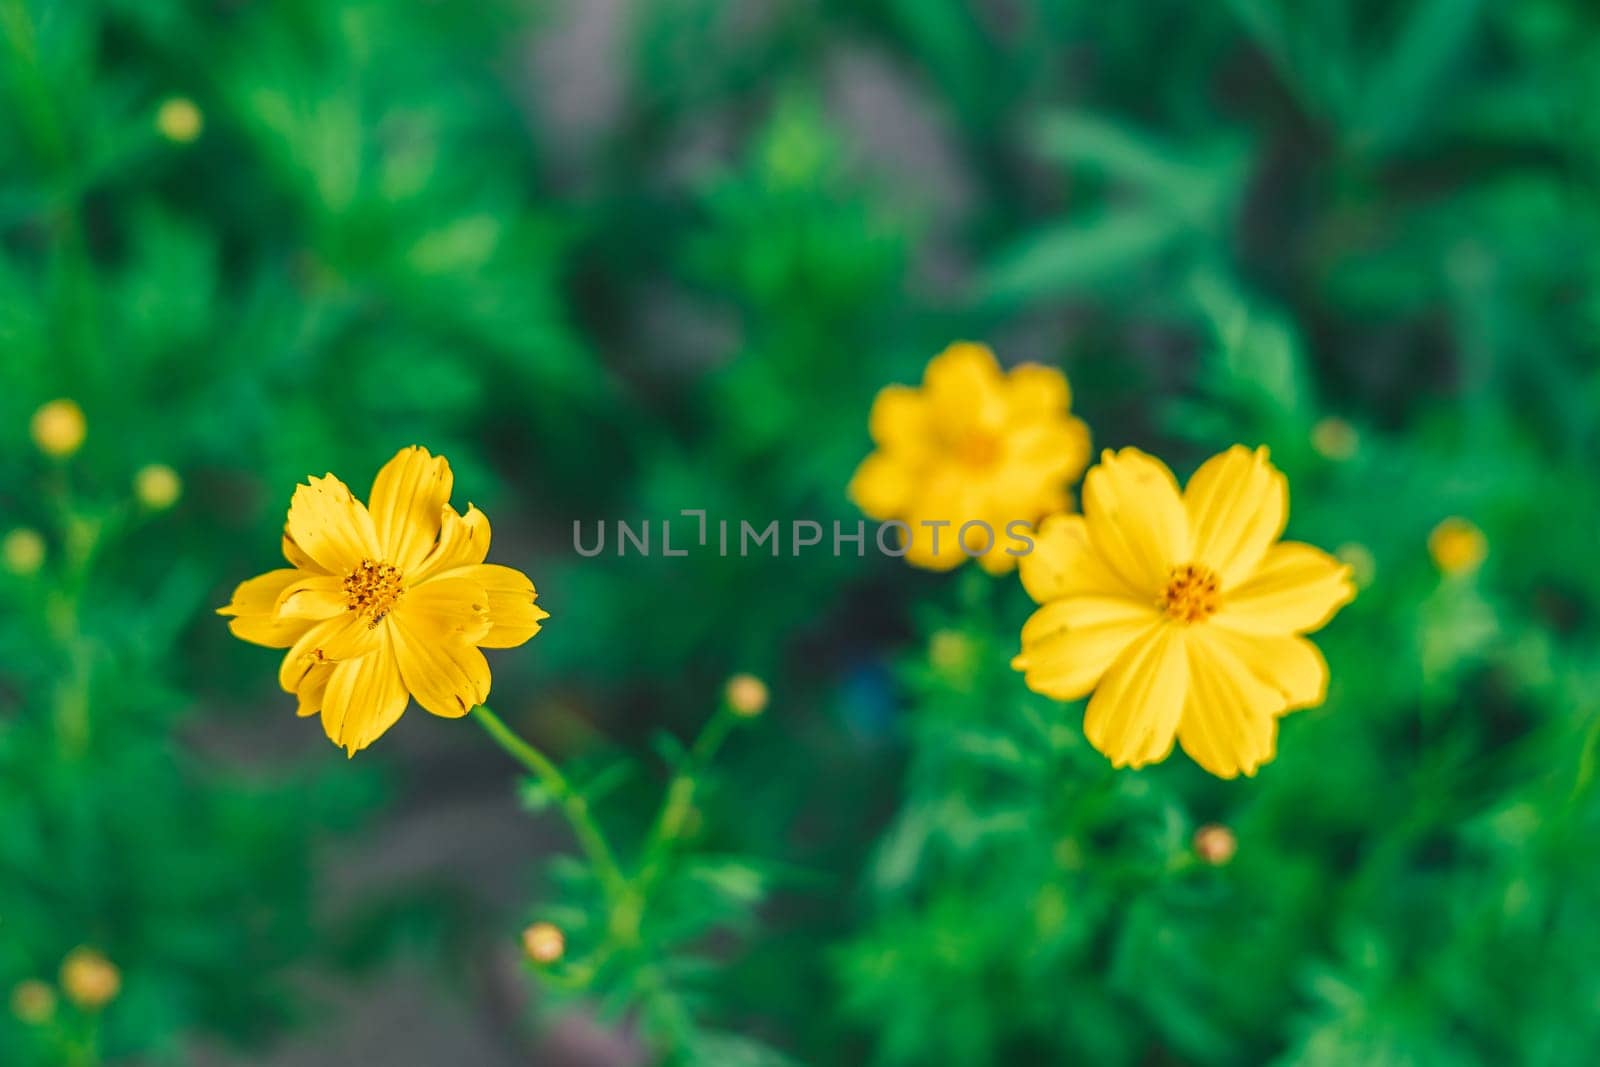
1292	666
1067	646
1133	715
331	526
899	421
253	608
1037	392
297	556
997	561
463	540
513	614
1237	503
1297	589
346	636
1136	517
449	678
318	597
446	607
364	698
883	487
1058	449
408	498
312	689
964	387
1230	724
945	503
1064	562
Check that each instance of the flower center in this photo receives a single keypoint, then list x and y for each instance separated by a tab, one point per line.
1192	594
373	589
977	448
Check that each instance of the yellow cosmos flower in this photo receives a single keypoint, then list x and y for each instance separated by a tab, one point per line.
973	445
385	602
1182	613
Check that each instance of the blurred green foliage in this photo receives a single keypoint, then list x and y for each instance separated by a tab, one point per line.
1228	223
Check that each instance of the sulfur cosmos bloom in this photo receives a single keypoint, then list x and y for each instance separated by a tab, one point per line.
1182	613
973	445
385	601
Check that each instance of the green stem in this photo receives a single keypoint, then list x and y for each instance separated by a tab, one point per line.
679	800
576	809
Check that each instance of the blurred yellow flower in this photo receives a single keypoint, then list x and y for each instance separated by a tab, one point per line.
58	428
973	444
746	695
1182	613
23	551
89	979
385	603
33	1001
1334	438
1457	547
544	943
1215	844
157	486
179	120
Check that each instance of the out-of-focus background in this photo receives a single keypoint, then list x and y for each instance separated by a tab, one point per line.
616	258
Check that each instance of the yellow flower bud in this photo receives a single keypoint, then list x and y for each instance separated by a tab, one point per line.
544	943
950	651
157	486
23	551
89	979
1215	844
179	120
746	695
58	428
1334	438
1457	547
33	1001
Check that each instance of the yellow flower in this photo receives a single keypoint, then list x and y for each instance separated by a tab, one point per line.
1183	614
58	428
89	979
179	120
385	603
157	486
1457	547
973	445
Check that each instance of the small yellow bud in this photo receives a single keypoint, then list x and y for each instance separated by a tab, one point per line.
1457	547
33	1001
1334	438
544	943
23	551
157	486
1359	558
58	428
1215	844
89	979
950	651
747	695
179	120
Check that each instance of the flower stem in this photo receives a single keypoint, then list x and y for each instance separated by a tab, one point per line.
679	801
576	809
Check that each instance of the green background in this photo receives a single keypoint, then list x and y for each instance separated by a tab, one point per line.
620	258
